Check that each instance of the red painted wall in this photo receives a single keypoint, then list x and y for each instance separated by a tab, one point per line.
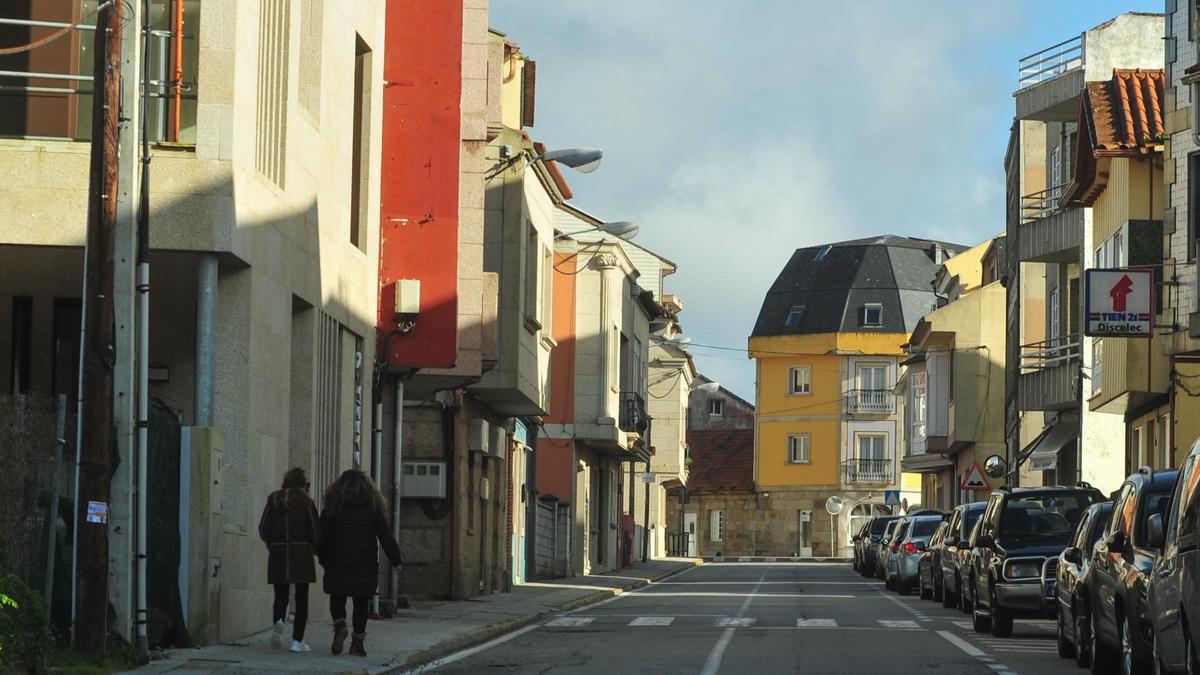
555	457
419	199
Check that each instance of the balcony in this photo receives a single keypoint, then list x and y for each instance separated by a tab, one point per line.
874	471
1048	81
869	402
1050	62
1049	233
633	416
1049	378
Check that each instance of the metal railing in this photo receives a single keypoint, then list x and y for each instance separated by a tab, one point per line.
1041	204
167	88
868	470
1051	62
869	401
1050	353
633	412
678	544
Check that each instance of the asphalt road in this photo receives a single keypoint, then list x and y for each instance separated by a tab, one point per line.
749	618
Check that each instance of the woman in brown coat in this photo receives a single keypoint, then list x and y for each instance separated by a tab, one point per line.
292	531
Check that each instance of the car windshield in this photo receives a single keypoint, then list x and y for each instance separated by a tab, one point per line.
880	524
972	516
1047	518
901	532
1152	503
924	528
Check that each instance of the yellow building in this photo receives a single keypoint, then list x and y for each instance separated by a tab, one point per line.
827	346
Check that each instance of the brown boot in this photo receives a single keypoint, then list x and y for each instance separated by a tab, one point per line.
339	636
356	645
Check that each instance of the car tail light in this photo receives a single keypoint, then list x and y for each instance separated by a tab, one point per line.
895	546
911	548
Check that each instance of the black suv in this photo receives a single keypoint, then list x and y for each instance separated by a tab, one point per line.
1021	534
868	565
1120	573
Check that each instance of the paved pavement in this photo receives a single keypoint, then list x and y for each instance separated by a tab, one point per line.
427	631
743	618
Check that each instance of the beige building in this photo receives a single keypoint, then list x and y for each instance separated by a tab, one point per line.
263	271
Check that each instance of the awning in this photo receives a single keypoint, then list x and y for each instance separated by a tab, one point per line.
1045	450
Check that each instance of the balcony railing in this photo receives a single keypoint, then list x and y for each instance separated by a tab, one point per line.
1041	204
1051	353
874	401
868	470
1051	62
633	413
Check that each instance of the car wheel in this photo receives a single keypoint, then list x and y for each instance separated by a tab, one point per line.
1066	648
948	599
1103	658
926	593
1083	636
966	601
1130	665
1000	618
1193	659
939	590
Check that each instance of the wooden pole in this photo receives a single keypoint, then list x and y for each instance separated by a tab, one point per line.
91	618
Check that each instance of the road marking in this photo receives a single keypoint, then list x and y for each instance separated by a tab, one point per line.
970	649
965	625
466	653
570	621
652	621
713	664
752	594
739	621
897	624
765	583
816	623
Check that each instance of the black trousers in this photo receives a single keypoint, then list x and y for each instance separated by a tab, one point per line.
281	605
337	609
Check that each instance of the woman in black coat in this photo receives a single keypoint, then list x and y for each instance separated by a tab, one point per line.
353	520
291	529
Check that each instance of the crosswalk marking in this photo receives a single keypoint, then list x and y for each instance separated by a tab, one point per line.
570	621
736	621
816	623
897	624
652	621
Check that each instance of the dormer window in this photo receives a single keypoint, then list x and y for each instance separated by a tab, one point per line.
821	254
793	317
872	314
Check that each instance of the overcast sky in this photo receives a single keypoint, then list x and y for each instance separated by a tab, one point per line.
736	132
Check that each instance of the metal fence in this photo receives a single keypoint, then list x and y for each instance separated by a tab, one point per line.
1051	62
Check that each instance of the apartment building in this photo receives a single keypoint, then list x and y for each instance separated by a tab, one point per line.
719	408
1052	436
827	348
263	268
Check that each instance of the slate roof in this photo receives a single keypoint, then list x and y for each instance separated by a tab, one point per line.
833	282
722	460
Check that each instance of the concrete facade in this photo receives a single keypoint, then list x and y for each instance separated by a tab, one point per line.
732	412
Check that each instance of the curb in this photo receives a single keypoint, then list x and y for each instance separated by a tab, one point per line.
492	631
771	559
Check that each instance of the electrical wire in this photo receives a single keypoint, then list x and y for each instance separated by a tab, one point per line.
19	49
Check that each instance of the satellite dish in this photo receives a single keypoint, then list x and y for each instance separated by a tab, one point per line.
834	505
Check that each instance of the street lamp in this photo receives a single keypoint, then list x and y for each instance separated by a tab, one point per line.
583	160
707	387
622	229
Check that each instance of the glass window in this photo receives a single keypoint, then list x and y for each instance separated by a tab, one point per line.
872	377
871	446
716	525
1047	518
873	314
1185	490
1150	504
798	449
716	407
800	380
794	316
924	528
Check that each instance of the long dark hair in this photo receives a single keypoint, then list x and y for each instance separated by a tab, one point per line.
295	478
353	486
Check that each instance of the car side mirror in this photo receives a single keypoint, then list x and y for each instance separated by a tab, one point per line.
1155	531
1116	542
856	539
985	541
1073	555
885	541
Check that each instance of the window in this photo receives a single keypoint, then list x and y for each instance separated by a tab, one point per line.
872	377
360	145
794	316
1118	250
1193	208
1054	324
533	263
821	254
798	449
919	400
1135	445
716	407
716	525
800	380
1056	172
22	349
547	303
871	446
873	314
1164	437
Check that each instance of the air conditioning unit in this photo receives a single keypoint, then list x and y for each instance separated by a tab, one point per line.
424	480
477	436
499	443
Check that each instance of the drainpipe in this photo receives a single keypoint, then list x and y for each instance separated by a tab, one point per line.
397	480
143	347
206	310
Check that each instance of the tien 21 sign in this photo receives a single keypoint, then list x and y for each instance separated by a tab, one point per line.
1120	303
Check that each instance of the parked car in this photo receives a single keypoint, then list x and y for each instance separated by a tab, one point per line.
1021	534
1120	573
1174	593
860	540
891	551
903	565
929	567
870	555
966	601
885	540
953	557
1070	585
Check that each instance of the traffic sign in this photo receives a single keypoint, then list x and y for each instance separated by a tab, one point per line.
891	497
1120	303
974	479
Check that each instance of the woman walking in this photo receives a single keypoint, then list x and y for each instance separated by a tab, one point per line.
353	520
292	531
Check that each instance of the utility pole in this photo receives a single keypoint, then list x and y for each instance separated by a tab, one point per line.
92	613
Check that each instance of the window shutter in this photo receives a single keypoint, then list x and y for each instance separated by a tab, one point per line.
528	92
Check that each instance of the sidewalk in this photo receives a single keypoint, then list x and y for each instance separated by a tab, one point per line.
427	631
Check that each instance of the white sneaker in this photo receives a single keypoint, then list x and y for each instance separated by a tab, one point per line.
300	647
277	635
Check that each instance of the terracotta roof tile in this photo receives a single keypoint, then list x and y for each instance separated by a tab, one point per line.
1125	113
723	460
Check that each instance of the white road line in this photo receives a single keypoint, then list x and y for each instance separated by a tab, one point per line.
970	649
752	594
897	624
570	621
739	621
652	621
713	664
816	623
454	658
765	583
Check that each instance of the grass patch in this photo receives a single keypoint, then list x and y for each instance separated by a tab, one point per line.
93	662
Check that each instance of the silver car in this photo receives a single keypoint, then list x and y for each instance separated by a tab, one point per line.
904	562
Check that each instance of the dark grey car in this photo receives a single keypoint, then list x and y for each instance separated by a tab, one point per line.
1174	589
955	549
